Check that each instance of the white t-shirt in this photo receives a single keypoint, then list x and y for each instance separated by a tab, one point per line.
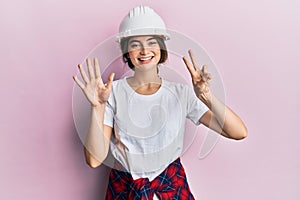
149	129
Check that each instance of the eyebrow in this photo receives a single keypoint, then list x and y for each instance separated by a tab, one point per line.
131	41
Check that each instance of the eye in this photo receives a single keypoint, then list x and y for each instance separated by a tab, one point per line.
152	43
134	45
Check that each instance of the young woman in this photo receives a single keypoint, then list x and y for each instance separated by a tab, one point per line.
141	118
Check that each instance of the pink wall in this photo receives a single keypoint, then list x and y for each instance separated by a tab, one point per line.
255	45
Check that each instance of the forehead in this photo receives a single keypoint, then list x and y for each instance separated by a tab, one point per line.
141	38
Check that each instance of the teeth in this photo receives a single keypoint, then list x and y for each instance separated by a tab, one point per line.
144	59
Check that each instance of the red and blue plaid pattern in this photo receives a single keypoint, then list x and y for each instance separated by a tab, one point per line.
171	184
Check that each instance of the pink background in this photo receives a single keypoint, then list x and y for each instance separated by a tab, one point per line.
255	45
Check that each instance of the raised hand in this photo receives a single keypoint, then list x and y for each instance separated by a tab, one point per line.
200	78
94	89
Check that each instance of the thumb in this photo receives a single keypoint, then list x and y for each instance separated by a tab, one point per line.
110	79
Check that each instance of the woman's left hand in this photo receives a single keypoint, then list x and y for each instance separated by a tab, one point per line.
200	79
221	118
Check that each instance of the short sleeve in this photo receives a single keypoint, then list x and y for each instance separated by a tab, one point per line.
109	112
195	107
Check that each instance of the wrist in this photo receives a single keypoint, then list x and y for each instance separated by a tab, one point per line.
206	98
99	106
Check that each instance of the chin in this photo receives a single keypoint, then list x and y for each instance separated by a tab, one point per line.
146	67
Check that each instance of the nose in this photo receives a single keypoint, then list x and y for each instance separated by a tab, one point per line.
144	50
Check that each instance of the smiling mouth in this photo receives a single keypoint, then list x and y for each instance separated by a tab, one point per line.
145	59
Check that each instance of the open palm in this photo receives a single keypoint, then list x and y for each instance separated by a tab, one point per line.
94	89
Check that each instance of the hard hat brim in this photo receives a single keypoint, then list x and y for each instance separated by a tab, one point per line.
142	32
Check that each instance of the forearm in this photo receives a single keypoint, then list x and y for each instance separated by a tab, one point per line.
230	123
219	118
96	141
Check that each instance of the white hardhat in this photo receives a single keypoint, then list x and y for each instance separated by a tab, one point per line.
142	20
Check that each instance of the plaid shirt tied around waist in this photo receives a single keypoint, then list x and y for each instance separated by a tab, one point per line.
171	184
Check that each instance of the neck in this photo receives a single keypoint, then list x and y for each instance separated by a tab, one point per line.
142	77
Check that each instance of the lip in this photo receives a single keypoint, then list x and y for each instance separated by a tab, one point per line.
145	60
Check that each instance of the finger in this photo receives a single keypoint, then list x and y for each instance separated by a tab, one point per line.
97	68
110	80
204	73
78	82
189	66
204	69
209	76
83	74
195	64
90	69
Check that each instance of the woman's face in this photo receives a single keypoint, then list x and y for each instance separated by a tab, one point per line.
143	50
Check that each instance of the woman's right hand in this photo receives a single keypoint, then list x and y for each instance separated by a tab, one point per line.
94	89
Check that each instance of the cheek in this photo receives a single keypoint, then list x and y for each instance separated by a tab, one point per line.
157	50
158	53
132	54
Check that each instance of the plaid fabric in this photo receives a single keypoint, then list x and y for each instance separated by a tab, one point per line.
171	184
